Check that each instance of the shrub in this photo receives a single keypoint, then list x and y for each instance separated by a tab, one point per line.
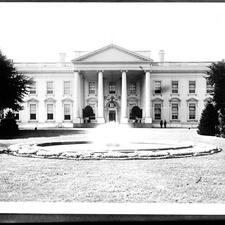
208	124
88	113
8	125
136	112
221	126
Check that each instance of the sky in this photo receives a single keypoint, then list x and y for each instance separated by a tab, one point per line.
38	32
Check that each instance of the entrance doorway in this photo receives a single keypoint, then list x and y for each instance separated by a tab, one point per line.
112	115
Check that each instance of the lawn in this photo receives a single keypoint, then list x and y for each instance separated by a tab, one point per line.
182	180
41	133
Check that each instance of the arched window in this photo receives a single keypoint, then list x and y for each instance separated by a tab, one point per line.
33	109
157	105
67	109
175	105
50	108
192	109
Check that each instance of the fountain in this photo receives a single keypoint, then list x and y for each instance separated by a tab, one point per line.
112	141
111	135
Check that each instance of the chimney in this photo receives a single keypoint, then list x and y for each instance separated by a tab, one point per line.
62	57
161	56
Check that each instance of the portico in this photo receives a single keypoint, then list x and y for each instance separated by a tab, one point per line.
113	72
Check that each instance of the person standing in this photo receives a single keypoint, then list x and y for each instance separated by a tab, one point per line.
165	123
161	123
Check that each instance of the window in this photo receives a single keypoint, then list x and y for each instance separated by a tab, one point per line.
67	87
192	111
33	109
157	87
132	88
67	114
157	111
209	87
92	87
49	87
174	87
174	111
49	111
112	88
33	88
192	86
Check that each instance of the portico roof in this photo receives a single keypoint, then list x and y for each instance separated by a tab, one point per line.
112	54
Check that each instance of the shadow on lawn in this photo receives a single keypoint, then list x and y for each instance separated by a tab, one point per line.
39	133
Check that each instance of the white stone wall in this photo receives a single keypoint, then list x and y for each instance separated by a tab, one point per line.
58	73
183	95
57	99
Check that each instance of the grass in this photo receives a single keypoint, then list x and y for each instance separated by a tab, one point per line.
40	133
182	180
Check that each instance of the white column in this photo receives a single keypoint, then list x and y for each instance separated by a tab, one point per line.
100	118
76	105
148	118
124	118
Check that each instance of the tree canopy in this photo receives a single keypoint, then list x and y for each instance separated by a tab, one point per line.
213	116
13	85
216	77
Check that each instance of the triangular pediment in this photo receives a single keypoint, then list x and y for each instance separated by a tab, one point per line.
112	53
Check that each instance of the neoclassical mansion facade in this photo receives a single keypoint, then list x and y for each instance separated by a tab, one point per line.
112	80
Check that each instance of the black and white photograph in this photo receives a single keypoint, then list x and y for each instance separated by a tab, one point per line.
112	108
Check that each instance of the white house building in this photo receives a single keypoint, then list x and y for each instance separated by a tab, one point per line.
113	80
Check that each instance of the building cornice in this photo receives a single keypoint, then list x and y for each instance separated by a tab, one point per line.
111	62
179	71
98	51
46	71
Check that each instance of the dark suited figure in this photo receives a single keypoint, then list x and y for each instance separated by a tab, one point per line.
165	123
161	123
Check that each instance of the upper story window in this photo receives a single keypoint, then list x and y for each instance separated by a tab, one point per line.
33	90
192	111
112	87
132	88
33	111
192	86
49	87
157	87
67	87
209	87
92	87
174	87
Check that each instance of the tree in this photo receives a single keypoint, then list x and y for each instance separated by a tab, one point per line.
216	77
13	85
209	120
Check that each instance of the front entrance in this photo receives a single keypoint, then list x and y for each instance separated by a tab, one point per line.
112	115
